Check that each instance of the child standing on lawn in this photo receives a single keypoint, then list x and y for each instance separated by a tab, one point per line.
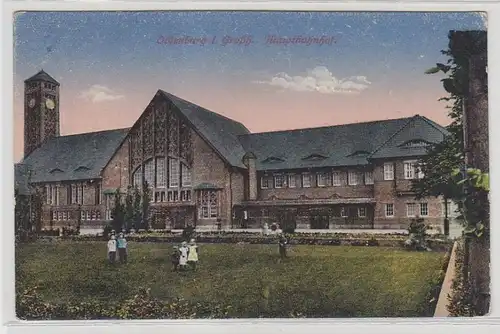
122	248
193	254
183	252
175	257
112	249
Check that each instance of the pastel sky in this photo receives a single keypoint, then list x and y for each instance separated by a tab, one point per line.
110	64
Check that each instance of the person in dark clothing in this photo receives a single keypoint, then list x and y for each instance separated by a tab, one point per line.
175	258
282	245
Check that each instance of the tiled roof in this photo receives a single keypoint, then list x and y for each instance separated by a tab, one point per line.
42	76
221	132
74	157
340	145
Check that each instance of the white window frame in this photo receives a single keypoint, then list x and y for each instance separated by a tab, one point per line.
354	178
422	206
321	179
173	173
186	176
386	206
137	178
413	212
306	176
161	180
149	173
364	212
369	178
388	171
207	209
280	177
337	179
409	169
292	181
343	212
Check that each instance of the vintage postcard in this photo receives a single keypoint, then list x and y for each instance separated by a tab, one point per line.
218	164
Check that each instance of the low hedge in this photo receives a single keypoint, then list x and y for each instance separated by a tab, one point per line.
30	306
460	298
334	239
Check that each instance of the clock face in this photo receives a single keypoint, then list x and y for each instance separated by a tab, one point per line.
49	103
31	104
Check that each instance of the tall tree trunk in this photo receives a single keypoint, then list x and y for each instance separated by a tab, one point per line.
477	156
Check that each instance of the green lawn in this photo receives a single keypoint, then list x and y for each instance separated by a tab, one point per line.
315	280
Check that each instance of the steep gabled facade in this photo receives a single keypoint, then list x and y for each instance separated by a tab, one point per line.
209	171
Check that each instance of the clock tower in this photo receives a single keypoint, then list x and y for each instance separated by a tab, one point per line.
41	110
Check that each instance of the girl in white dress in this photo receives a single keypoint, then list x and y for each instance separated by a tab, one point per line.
193	254
184	251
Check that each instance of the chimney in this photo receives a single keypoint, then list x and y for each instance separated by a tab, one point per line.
249	160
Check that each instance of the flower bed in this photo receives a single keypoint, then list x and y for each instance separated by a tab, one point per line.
334	239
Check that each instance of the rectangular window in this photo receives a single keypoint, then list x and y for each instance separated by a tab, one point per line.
54	215
292	181
173	177
137	178
265	182
368	178
74	194
149	173
337	178
389	210
361	212
83	216
65	215
424	210
160	173
279	181
354	178
48	195
411	209
186	176
388	171
306	180
324	179
93	215
343	212
208	204
81	194
59	215
420	172
98	215
409	168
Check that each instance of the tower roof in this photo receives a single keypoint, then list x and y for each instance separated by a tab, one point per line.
42	76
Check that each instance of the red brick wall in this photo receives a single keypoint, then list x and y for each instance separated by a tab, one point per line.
116	173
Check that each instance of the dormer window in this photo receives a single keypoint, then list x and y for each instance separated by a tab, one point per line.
82	169
415	143
56	170
271	160
359	154
314	157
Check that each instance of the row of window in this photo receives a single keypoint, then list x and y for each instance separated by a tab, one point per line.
322	179
75	194
412	209
84	215
156	174
411	171
172	196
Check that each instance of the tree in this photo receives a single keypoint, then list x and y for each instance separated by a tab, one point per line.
137	208
146	199
130	215
118	212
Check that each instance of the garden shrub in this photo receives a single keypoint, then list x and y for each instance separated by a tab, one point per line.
417	235
29	306
188	233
